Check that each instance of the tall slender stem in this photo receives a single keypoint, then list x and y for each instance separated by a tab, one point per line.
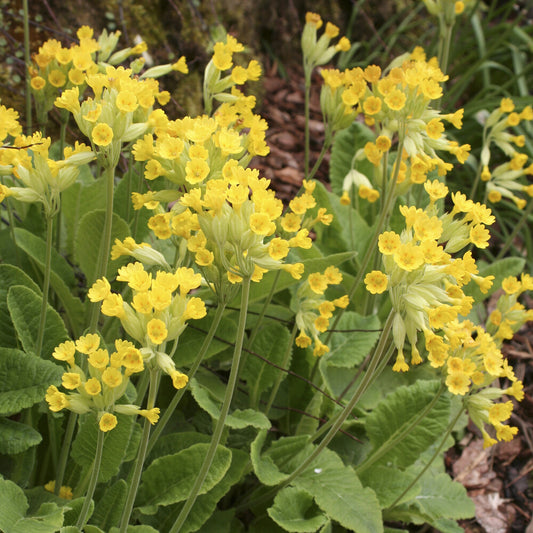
217	434
65	447
307	92
335	424
371	248
46	284
27	94
93	481
141	454
192	371
105	243
509	241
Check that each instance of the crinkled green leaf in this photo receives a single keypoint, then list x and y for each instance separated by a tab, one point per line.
389	483
396	413
238	419
24	379
272	343
13	509
25	309
264	467
294	510
339	493
11	275
169	479
116	442
59	276
108	510
16	437
88	239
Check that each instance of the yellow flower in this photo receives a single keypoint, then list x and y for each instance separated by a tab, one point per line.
126	101
372	105
376	282
99	359
318	282
395	100
100	290
38	83
57	78
152	415
102	135
107	422
458	383
93	387
156	330
65	352
179	380
87	344
408	256
71	380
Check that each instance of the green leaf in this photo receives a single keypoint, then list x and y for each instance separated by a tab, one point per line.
11	275
238	419
264	467
345	145
25	309
339	493
294	510
349	349
108	510
389	483
444	498
115	444
272	343
192	339
394	415
175	442
206	503
16	437
78	200
48	519
24	379
35	248
160	488
89	237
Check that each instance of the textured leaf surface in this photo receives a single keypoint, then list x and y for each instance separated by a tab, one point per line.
339	493
11	275
271	342
161	488
88	239
25	309
115	444
238	419
397	411
24	379
294	510
264	467
108	510
16	437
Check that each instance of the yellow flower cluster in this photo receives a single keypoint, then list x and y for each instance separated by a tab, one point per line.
504	180
318	52
43	178
312	309
424	280
104	384
160	308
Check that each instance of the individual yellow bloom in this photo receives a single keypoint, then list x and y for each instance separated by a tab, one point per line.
318	282
400	365
152	415
505	433
372	105
376	282
195	309
511	285
342	302
204	257
388	242
513	119
108	421
56	400
99	359
87	344
516	390
37	83
500	412
92	387
383	143
278	248
333	275
64	492
435	128
71	380
112	377
69	100
181	65
57	78
291	222
395	100
408	256
343	45
133	360
479	236
294	269
126	101
313	19
458	383
65	352
196	170
222	57
113	305
459	7
372	73
303	340
320	348
345	198
326	309
179	380
261	224
100	290
156	330
102	134
488	441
